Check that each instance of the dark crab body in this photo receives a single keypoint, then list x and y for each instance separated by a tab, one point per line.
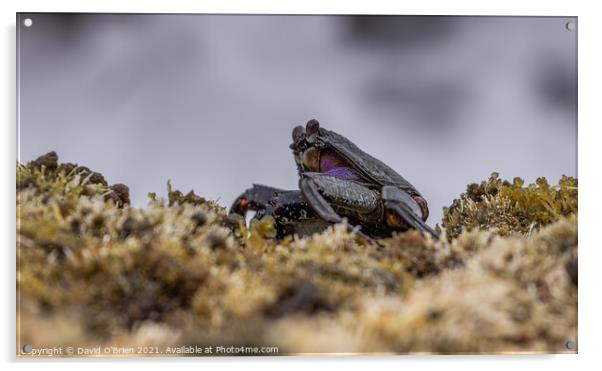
338	180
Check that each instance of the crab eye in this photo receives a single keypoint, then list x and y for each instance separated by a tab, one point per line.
312	127
311	130
298	132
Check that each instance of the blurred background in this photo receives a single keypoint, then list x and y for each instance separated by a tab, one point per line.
209	101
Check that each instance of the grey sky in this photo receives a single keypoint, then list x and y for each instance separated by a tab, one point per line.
209	101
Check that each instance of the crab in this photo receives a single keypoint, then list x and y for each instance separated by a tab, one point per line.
337	182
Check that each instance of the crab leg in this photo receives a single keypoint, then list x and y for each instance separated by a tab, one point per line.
401	208
312	185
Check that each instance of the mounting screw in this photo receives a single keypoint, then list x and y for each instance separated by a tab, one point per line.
27	348
570	25
27	22
570	345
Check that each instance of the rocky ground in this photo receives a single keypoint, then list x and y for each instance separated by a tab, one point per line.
91	270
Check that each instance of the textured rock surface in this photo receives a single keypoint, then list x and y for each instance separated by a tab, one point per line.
94	271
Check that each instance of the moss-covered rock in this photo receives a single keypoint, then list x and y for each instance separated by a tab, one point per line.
510	207
96	271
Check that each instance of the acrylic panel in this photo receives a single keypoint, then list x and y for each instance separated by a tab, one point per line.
234	185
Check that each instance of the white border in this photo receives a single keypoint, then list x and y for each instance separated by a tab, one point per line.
590	121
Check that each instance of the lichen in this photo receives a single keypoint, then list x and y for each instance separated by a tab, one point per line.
510	207
95	271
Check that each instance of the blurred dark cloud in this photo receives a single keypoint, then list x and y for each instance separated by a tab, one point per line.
556	84
434	103
209	101
390	31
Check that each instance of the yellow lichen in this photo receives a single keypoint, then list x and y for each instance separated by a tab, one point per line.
180	271
507	208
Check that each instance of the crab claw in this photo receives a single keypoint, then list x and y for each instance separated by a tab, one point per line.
254	198
240	206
